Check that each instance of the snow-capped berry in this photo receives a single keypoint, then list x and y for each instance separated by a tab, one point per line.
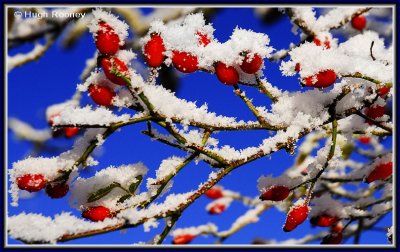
333	238
226	74
359	22
185	62
214	193
297	67
322	79
97	213
380	172
154	51
204	40
375	112
31	182
275	193
251	65
183	239
115	70
216	209
324	220
296	216
101	95
57	190
365	140
327	43
107	40
383	91
70	132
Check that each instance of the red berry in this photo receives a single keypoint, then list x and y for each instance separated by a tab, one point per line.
297	67
295	216
70	132
333	238
251	65
97	213
214	193
185	62
276	193
226	74
113	67
327	43
324	220
375	112
57	190
31	182
383	91
323	79
204	40
183	239
216	209
359	22
337	227
154	51
380	172
364	140
107	40
101	95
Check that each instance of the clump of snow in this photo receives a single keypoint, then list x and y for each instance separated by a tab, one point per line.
224	201
125	175
119	26
195	231
38	228
326	205
264	183
55	109
88	116
148	225
23	130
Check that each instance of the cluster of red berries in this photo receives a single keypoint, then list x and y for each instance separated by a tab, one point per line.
68	132
108	44
36	182
377	111
154	53
215	193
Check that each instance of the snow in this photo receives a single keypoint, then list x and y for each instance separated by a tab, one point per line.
224	201
195	230
88	116
47	229
326	205
264	183
125	175
25	131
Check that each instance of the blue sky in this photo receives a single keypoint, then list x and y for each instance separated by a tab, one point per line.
53	79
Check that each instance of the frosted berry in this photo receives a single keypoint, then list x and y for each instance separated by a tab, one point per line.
297	67
97	213
226	74
251	65
183	239
204	40
333	238
216	209
359	22
375	112
383	91
275	193
326	43
115	70
70	132
365	140
324	220
214	193
57	190
154	51
101	95
107	40
31	182
185	62
295	216
380	172
322	79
